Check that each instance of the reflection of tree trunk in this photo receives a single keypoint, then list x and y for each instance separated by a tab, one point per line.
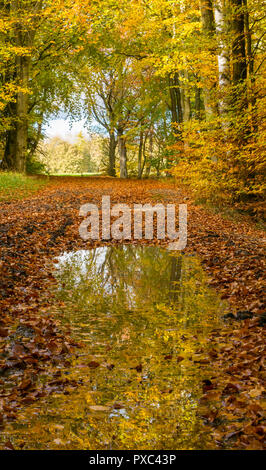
175	277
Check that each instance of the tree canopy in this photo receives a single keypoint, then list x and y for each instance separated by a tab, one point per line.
176	86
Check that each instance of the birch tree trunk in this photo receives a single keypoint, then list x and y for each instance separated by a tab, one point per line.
223	53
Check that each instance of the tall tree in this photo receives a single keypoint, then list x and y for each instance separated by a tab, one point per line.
222	26
208	27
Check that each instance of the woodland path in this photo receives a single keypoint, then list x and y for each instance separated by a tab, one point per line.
37	229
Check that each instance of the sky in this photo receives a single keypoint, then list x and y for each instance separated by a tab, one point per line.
65	129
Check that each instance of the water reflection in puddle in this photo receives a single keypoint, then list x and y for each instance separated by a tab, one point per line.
144	316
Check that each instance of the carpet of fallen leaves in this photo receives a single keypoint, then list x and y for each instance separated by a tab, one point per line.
36	230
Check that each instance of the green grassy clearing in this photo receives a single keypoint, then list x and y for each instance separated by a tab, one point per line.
17	186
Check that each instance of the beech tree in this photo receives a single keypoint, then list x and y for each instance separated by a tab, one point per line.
195	66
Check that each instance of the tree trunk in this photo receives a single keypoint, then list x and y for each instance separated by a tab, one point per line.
239	99
250	68
10	139
197	103
173	103
186	105
148	167
239	65
144	154
250	57
112	148
223	54
140	154
239	46
122	154
10	150
175	98
208	27
34	141
22	115
207	17
23	39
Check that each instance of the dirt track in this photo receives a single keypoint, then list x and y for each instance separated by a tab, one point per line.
35	230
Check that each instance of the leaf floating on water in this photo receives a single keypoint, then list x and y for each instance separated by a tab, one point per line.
256	392
89	398
207	385
17	351
25	384
9	446
54	347
58	442
58	427
118	406
168	357
99	408
3	332
180	358
233	434
93	364
231	388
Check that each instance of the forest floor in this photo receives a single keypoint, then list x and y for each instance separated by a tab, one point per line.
35	230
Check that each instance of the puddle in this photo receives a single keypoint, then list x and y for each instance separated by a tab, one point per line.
143	315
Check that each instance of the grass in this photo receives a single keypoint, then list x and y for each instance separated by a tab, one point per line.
76	174
17	186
